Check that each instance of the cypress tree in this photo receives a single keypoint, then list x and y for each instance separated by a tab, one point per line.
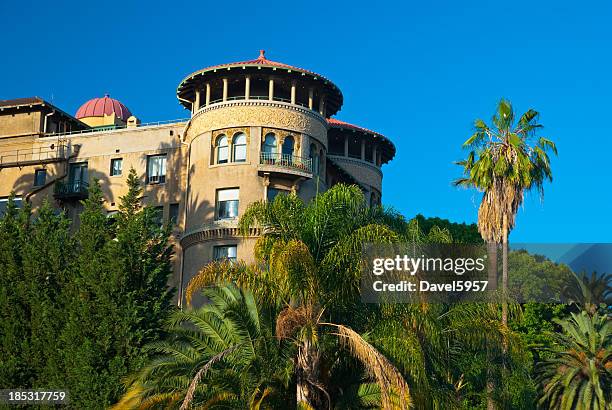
15	369
120	296
47	257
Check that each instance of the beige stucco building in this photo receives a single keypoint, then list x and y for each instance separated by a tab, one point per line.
256	129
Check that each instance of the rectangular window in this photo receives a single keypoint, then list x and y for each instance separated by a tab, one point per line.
156	169
159	215
116	167
273	193
40	177
174	213
336	145
79	175
4	203
354	148
225	252
227	203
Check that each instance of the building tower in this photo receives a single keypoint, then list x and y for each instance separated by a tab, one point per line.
259	128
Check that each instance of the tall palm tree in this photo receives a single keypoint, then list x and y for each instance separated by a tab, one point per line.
579	373
309	266
223	354
505	160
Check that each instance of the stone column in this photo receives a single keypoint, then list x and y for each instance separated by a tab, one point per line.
271	90
225	89
310	98
346	146
247	87
207	94
196	104
322	105
374	153
293	92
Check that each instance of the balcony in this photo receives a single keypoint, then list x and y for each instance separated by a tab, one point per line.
34	156
275	163
74	190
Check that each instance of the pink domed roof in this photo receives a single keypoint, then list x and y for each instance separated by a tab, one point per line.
98	107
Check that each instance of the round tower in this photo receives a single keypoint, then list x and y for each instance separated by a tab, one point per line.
357	155
258	128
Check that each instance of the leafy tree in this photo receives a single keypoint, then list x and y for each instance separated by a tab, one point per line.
228	349
578	373
460	233
536	279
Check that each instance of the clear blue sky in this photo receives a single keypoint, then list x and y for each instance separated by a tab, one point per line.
418	72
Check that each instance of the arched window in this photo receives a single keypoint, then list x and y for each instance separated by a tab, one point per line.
239	148
222	149
269	153
314	158
287	150
288	145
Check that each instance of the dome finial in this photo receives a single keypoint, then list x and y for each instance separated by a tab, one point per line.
262	54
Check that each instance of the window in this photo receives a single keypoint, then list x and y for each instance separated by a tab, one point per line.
336	145
78	173
228	252
288	146
227	203
274	192
159	215
314	158
40	177
269	149
354	148
173	214
116	166
239	148
4	204
156	169
222	149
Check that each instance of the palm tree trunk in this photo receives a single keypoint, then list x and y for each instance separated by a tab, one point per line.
492	273
505	271
307	371
492	249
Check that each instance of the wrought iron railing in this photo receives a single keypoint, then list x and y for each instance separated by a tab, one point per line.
71	189
31	155
286	161
119	127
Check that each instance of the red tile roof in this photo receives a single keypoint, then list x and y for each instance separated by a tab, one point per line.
261	60
341	124
335	123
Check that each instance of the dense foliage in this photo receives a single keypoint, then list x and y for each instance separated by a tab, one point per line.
87	309
78	306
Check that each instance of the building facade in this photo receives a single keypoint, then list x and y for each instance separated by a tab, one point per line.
257	129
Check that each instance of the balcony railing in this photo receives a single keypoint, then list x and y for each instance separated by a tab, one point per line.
28	156
71	190
286	161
